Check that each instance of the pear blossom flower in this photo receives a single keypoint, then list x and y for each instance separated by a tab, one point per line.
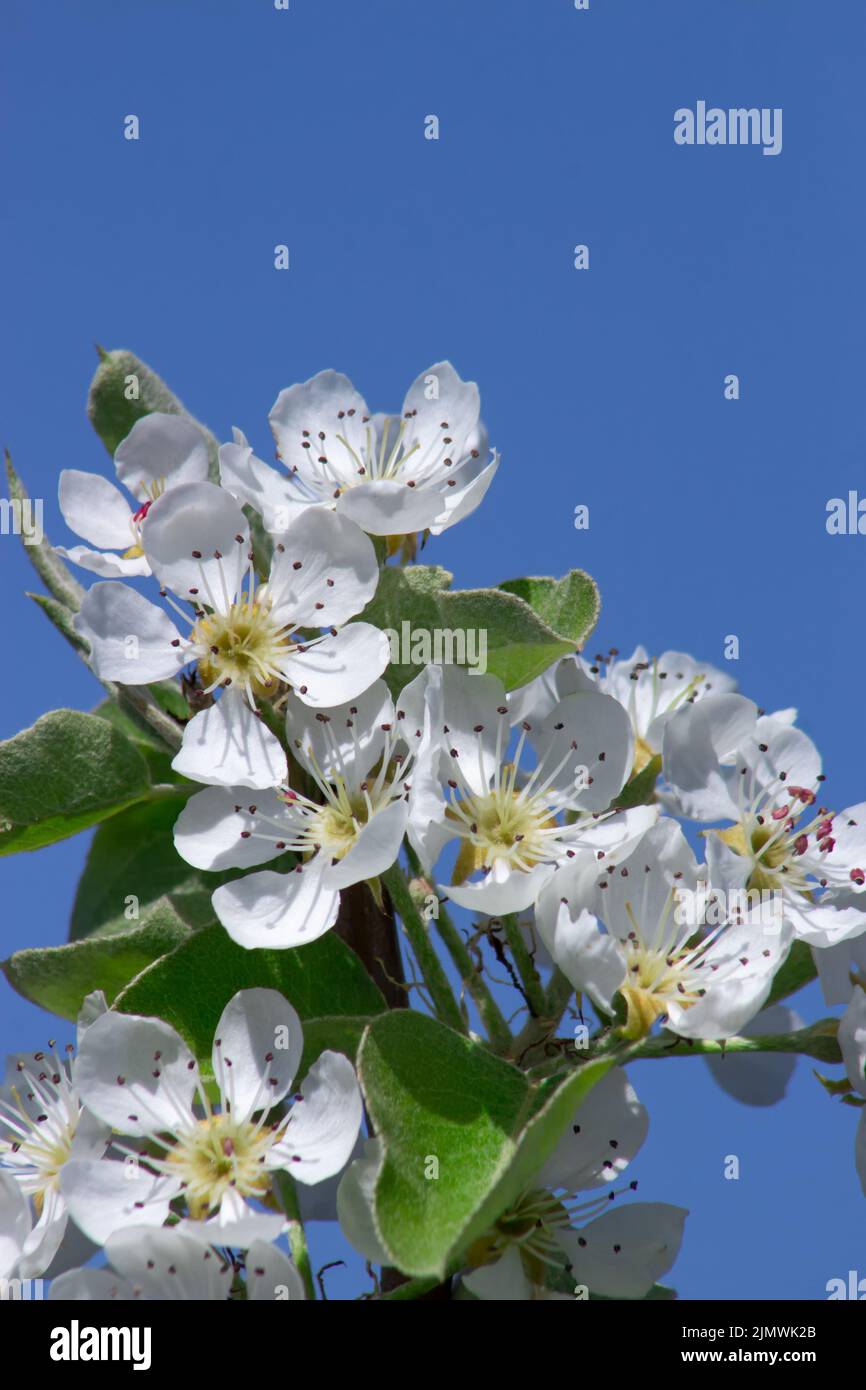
516	828
44	1126
16	1224
358	756
138	1076
393	475
245	639
650	690
162	1264
550	1235
724	761
159	452
852	1040
705	988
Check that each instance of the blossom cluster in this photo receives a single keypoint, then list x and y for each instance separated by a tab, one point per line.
572	805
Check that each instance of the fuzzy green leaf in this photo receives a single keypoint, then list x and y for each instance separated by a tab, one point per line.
570	606
59	977
190	988
429	621
67	772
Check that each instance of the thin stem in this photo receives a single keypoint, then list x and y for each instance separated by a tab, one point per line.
285	1185
535	995
446	1006
491	1015
538	1031
818	1040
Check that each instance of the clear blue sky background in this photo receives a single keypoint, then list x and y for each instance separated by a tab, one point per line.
603	387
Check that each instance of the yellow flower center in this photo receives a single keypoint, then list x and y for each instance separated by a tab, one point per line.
502	826
219	1154
245	646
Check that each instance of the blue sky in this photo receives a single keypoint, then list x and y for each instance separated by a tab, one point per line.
602	387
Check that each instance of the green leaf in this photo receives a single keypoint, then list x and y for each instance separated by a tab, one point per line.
641	789
429	621
113	415
433	1094
67	772
151	747
570	606
59	977
797	970
337	1033
190	988
133	855
554	1105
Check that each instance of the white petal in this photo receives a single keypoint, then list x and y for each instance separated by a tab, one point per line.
826	923
314	414
777	747
592	960
131	640
236	1224
324	1124
324	571
224	828
90	1286
355	1197
257	1050
852	1040
104	562
255	484
15	1223
169	1264
95	509
375	849
277	910
760	1078
462	500
609	1128
504	1281
271	1276
590	731
197	543
835	964
161	449
228	745
860	1150
696	741
389	507
470	708
453	414
136	1074
93	1007
104	1197
336	669
344	737
638	890
44	1240
512	894
744	960
624	1252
